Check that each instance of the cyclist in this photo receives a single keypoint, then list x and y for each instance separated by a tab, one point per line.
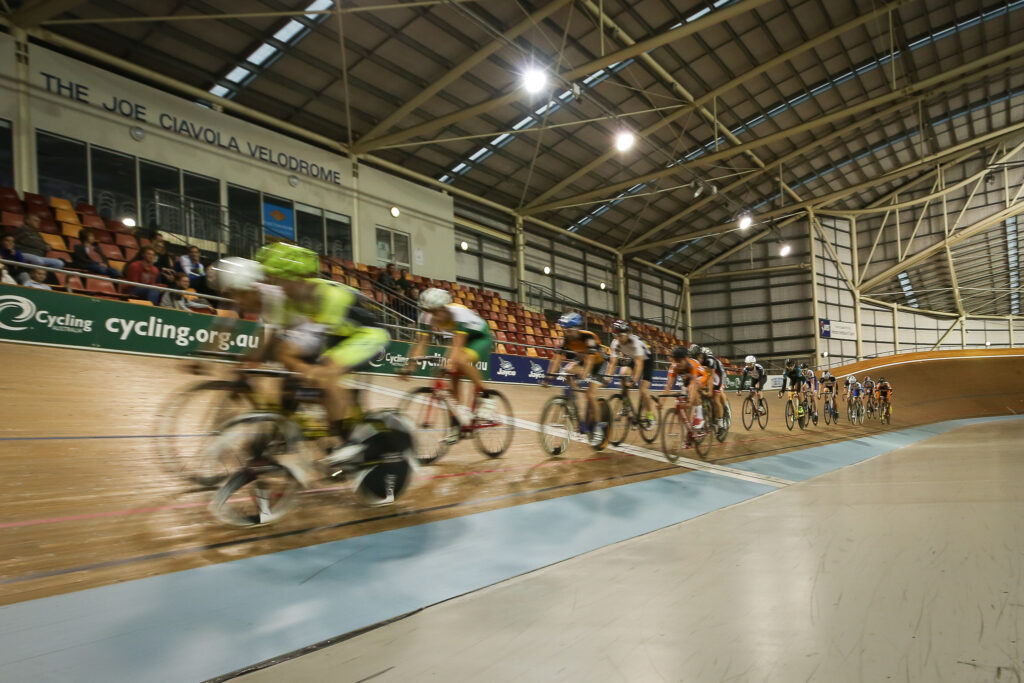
753	371
827	386
883	392
586	359
471	343
716	371
848	384
869	391
695	378
322	330
794	377
630	351
810	384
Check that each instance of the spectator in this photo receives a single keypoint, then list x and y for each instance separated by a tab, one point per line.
405	283
32	245
9	252
88	256
183	302
5	277
163	259
386	279
37	279
191	264
144	271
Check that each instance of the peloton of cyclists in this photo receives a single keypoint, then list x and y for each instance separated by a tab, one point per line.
695	379
631	352
753	371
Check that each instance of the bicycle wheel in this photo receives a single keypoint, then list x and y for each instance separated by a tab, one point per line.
673	434
262	491
436	427
814	412
649	424
762	415
802	414
556	427
621	417
702	436
748	413
828	411
790	415
493	436
189	421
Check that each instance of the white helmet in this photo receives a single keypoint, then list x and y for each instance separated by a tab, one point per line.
234	273
434	298
750	360
852	378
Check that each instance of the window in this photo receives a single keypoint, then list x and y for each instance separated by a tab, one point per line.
113	184
160	191
392	247
245	221
339	235
63	167
202	188
309	227
6	154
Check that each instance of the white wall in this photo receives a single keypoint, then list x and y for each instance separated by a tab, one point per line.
69	98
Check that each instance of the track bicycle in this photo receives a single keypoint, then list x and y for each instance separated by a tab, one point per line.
678	432
855	410
560	418
721	433
255	455
754	408
810	407
829	408
433	409
871	406
624	416
885	411
795	412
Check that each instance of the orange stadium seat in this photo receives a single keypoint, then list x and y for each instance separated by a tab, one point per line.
67	216
56	242
70	229
141	302
61	203
226	313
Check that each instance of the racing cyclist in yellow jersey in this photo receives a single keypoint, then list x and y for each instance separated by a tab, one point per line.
323	331
471	343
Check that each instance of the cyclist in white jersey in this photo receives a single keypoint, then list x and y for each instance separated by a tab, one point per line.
630	351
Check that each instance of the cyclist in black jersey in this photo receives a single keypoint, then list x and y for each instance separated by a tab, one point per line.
755	372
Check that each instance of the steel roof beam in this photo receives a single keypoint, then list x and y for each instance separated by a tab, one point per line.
702	24
31	14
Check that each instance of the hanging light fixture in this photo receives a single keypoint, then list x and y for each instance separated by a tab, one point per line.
624	140
746	220
534	80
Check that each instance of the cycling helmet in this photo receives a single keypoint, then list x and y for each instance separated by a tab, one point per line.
867	378
706	351
790	361
570	320
679	353
803	366
750	360
881	380
694	350
852	378
434	298
620	327
291	261
826	374
234	273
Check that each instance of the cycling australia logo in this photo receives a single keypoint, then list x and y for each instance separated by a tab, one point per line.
505	368
24	310
536	371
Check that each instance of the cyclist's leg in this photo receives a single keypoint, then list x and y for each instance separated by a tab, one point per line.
354	351
592	366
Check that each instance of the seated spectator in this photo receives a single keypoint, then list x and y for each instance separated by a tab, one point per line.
164	261
405	283
32	245
192	265
88	256
387	277
5	277
144	271
37	279
9	252
184	302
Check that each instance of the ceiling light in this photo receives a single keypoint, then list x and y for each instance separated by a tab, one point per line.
602	285
624	140
697	187
824	354
784	249
395	212
464	245
534	80
128	222
988	343
547	270
746	221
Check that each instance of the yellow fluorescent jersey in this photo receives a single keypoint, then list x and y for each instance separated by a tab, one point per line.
330	307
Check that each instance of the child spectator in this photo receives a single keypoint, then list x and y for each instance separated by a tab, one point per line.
37	279
184	302
9	252
88	256
144	271
32	245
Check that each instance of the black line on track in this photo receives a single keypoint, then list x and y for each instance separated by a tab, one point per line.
298	532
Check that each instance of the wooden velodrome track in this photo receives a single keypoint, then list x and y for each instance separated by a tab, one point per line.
89	504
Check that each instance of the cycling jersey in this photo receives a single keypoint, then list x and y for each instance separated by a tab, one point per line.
810	381
854	388
689	369
829	383
464	321
884	390
584	342
629	351
756	374
716	370
794	379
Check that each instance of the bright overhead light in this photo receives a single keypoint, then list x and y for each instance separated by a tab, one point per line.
988	343
697	187
746	221
602	285
624	140
395	212
547	270
824	354
785	249
464	245
534	80
128	222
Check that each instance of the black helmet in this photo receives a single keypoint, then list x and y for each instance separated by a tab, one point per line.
620	326
679	353
803	366
881	380
790	361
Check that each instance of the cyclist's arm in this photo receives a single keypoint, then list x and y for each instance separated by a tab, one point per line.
638	369
613	363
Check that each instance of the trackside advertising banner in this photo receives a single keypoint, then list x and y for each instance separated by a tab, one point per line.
397	355
34	315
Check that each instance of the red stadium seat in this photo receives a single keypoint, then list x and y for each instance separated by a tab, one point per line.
37	199
104	236
92	221
13	219
111	251
100	286
124	240
47	224
62	255
89	209
9	192
129	253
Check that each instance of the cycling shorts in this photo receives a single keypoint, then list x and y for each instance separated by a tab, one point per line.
478	347
647	375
